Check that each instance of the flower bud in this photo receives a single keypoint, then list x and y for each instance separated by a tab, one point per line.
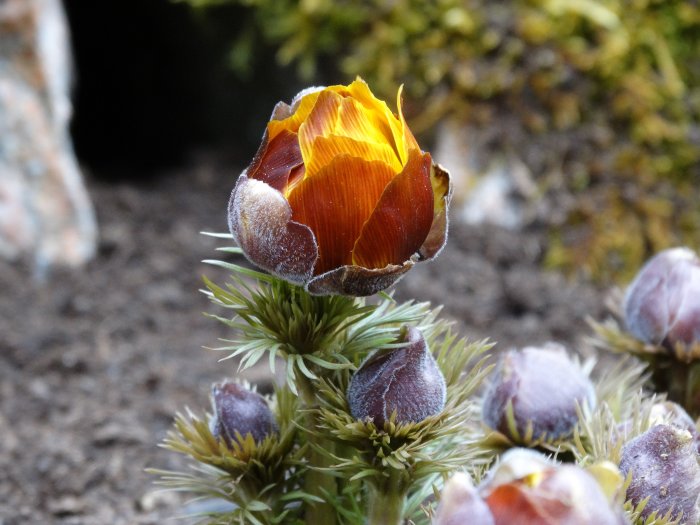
664	466
460	503
526	488
662	305
242	411
674	414
543	386
340	198
406	380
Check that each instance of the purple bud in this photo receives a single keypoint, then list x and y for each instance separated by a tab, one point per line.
237	409
676	416
460	503
405	379
662	305
664	466
543	386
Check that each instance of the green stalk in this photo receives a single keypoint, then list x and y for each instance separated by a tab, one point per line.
681	381
386	503
316	483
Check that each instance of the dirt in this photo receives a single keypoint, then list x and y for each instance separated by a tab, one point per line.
94	363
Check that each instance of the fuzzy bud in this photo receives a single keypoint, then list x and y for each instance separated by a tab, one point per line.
674	414
460	503
664	466
406	380
242	411
543	386
662	305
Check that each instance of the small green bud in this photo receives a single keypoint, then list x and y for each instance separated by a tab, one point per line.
405	379
542	387
242	411
664	466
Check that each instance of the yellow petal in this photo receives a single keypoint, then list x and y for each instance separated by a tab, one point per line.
360	91
274	127
320	122
325	149
361	123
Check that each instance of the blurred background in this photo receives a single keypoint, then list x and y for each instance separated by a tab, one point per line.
570	128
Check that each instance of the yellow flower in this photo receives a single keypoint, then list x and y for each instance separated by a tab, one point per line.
340	197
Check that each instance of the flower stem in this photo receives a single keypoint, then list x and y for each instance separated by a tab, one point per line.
386	503
316	483
681	381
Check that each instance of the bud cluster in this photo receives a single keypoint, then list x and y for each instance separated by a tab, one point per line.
379	403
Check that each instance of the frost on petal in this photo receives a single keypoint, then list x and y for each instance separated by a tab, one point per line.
406	380
259	218
357	281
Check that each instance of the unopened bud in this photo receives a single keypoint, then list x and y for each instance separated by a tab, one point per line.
662	305
664	466
406	380
460	503
242	411
533	394
674	414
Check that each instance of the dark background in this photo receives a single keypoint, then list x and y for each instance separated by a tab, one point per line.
153	83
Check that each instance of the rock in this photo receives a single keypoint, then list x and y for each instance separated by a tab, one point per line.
490	186
45	211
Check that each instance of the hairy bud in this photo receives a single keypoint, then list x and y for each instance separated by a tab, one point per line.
406	380
664	466
238	410
662	305
533	394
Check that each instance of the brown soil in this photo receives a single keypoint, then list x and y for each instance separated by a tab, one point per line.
95	362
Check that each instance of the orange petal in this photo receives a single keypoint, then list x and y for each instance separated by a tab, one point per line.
512	505
325	149
320	122
336	202
280	157
402	219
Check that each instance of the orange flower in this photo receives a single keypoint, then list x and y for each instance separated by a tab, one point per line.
339	197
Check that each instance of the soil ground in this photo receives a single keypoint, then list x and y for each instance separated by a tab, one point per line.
94	363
